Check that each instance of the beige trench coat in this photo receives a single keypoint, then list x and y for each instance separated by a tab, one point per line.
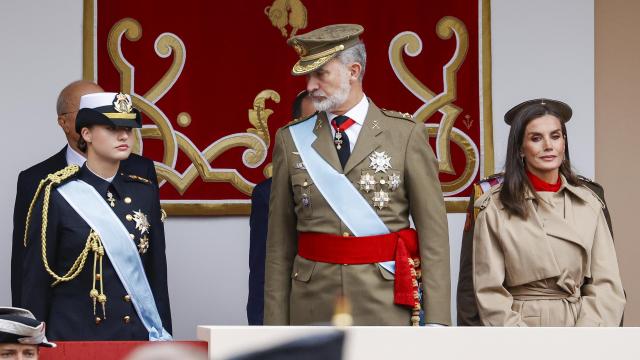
301	291
548	270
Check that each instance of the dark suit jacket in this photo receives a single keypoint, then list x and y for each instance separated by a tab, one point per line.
66	307
257	247
28	181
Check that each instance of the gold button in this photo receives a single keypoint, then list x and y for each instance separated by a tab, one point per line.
382	182
98	276
129	217
126	319
98	320
295	275
345	234
127	200
305	183
132	236
127	298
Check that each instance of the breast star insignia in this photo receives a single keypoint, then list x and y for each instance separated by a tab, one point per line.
380	199
367	182
142	223
380	161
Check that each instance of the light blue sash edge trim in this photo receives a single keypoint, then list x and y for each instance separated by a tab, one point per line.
78	191
345	200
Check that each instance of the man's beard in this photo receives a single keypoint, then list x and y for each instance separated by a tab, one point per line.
332	102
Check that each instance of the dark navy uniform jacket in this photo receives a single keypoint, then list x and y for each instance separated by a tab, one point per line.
257	250
67	308
28	181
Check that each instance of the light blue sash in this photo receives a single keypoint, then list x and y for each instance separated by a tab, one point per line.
347	202
122	252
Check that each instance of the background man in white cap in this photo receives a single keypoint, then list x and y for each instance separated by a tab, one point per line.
20	334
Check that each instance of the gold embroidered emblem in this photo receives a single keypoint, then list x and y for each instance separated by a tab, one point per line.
142	223
122	103
287	12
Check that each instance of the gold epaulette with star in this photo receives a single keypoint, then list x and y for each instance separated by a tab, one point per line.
397	114
139	179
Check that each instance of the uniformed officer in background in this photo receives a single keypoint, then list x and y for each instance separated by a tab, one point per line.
344	184
21	334
95	265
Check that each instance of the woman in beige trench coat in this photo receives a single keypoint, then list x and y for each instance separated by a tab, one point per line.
542	252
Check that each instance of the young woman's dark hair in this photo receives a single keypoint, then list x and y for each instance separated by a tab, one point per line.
82	145
516	181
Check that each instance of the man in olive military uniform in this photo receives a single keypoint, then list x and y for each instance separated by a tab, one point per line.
94	257
345	182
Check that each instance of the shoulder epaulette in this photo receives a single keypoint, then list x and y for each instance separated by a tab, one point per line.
588	181
397	114
297	121
586	186
139	179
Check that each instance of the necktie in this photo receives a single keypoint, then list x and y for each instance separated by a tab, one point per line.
341	140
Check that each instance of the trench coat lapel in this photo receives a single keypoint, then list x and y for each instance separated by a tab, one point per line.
323	143
368	139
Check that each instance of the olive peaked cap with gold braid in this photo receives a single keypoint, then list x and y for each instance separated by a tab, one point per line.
318	46
114	109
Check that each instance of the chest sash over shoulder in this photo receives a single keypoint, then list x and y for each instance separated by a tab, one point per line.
122	252
345	200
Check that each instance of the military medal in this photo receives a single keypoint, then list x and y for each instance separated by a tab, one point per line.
367	182
111	199
143	246
300	166
380	199
380	161
337	139
394	182
142	223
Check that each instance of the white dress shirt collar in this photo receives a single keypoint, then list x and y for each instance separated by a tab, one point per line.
73	157
357	113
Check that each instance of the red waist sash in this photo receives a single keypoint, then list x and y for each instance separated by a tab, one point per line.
401	246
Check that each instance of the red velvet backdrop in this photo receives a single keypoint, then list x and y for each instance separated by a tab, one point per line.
223	54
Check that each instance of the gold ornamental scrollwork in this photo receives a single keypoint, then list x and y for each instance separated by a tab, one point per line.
256	140
410	43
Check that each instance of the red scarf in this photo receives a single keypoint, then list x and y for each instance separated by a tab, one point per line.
541	185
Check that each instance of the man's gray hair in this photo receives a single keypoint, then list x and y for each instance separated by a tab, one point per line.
355	54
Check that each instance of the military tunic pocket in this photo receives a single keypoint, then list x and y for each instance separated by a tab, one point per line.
303	194
302	269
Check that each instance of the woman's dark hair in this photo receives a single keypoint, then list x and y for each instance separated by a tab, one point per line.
516	181
82	145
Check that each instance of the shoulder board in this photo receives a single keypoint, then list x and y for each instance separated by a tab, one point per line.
297	121
397	114
138	179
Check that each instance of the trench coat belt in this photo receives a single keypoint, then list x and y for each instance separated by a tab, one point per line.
525	293
401	246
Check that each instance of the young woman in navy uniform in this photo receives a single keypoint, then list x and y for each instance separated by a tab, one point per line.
86	286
